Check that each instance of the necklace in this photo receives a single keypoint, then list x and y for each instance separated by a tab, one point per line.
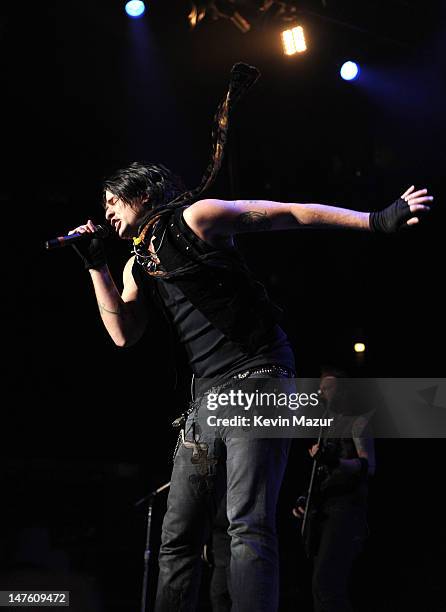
147	256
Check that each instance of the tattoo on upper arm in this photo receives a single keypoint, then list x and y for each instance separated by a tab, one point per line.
252	221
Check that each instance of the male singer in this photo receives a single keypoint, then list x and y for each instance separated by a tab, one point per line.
185	260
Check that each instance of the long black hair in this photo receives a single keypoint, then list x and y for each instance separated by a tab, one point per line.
153	184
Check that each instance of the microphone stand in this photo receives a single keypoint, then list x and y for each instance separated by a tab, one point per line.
150	498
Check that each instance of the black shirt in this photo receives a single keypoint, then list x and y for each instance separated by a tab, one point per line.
209	352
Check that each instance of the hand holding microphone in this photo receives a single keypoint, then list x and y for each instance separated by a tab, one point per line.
87	241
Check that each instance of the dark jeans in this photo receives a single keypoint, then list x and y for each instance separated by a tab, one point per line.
342	532
250	471
219	588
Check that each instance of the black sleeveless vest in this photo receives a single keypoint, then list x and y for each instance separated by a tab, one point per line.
224	291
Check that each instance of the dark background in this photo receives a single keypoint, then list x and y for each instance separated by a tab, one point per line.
86	426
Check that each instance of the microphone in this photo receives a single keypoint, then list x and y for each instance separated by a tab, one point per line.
102	231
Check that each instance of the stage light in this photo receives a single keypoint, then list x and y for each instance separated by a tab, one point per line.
294	41
223	9
197	13
135	8
359	347
240	22
349	71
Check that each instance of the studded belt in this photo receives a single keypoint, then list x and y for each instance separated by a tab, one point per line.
275	371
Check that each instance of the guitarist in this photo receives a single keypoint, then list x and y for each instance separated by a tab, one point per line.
334	513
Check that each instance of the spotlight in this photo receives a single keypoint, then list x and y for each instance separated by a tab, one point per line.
135	8
294	41
359	347
349	71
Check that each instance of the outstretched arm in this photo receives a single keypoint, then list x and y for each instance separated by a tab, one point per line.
212	218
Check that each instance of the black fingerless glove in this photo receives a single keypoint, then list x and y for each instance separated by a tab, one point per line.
391	219
327	455
92	253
